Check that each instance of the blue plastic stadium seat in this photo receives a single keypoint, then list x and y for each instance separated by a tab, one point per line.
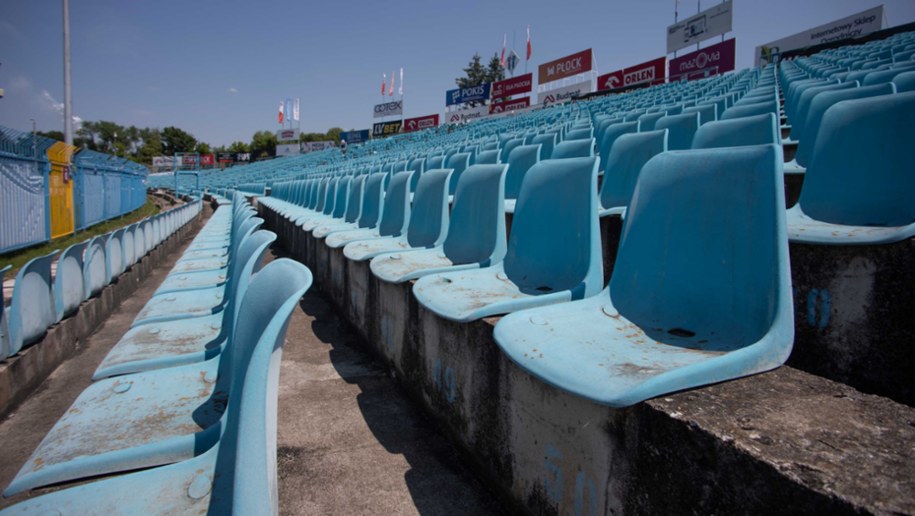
574	149
353	208
859	187
584	133
520	161
395	215
648	120
610	134
235	475
428	222
547	143
553	253
738	132
476	234
508	147
31	309
681	129
369	211
629	154
488	157
707	113
69	287
457	163
904	82
690	302
737	111
114	254
799	117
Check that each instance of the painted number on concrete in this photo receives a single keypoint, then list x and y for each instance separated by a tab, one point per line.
445	381
819	303
585	501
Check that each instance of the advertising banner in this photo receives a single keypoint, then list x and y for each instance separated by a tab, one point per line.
420	123
189	160
713	60
226	157
651	72
385	128
562	95
565	67
510	105
164	162
243	156
854	26
514	86
464	95
389	109
207	160
466	115
707	24
353	137
318	146
286	135
288	149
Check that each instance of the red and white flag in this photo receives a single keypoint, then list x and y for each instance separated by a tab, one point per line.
391	89
384	79
529	49
280	115
504	41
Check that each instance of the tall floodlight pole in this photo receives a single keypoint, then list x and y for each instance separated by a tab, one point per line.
68	97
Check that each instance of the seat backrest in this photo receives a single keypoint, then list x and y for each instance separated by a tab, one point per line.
860	171
823	101
130	248
372	201
69	287
574	149
396	211
611	133
803	104
429	214
250	257
547	143
488	157
477	230
707	112
434	162
748	130
583	133
905	82
32	307
321	195
458	162
95	268
114	254
354	202
417	166
647	121
520	160
508	146
629	154
737	111
330	197
681	129
341	197
555	242
704	253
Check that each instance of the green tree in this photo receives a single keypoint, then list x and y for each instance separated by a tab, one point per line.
333	134
177	140
203	148
239	147
263	144
151	146
474	73
54	135
494	72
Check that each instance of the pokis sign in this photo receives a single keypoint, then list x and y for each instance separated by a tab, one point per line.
563	67
463	95
420	123
514	86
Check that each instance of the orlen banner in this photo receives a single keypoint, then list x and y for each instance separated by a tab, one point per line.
713	60
466	115
389	109
650	72
514	86
711	22
419	123
510	105
463	95
562	95
564	67
385	128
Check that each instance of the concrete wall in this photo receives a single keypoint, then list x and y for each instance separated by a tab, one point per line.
783	441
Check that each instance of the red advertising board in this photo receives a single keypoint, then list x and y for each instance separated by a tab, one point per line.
419	123
207	160
713	60
650	72
510	105
514	86
564	67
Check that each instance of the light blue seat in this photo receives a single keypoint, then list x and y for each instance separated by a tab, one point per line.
520	161
353	209
718	307
737	111
904	82
130	255
611	133
803	105
395	215
553	254
370	211
235	475
69	288
457	163
547	143
648	120
629	154
476	233
185	341
310	221
433	162
584	133
188	274
859	188
738	132
427	226
508	147
574	149
417	166
707	113
488	157
31	309
681	129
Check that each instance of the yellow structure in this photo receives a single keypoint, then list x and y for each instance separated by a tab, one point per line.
60	189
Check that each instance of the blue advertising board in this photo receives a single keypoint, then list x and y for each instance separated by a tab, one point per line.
353	137
471	94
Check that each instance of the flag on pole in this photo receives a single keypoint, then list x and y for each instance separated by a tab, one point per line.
512	61
528	43
295	110
391	88
280	115
400	89
502	59
288	113
384	79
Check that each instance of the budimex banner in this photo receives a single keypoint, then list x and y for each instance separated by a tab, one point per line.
564	94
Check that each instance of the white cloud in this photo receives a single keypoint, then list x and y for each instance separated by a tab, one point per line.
233	90
20	83
52	103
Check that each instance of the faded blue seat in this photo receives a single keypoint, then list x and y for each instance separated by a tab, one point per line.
457	163
574	149
799	116
547	143
185	341
707	113
187	274
395	215
520	161
231	468
69	288
130	256
427	226
584	133
859	188
681	129
717	308
905	82
476	233
884	76
31	309
629	154
333	193
353	209
610	134
553	251
648	120
738	132
508	147
369	211
488	157
737	111
433	162
417	166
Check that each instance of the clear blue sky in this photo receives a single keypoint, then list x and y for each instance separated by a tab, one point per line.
219	68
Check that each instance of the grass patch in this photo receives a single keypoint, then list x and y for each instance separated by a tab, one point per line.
20	257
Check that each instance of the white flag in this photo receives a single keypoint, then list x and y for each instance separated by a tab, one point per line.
400	88
295	110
